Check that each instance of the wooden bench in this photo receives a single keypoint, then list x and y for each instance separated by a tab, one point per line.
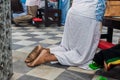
111	23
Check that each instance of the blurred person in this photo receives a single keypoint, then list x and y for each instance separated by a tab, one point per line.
32	7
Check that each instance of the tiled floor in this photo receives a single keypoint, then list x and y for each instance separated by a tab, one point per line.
26	38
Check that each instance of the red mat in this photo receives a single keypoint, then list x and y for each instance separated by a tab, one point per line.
105	45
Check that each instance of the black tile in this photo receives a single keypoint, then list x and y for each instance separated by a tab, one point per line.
50	34
55	38
72	75
30	35
15	46
28	77
35	39
15	40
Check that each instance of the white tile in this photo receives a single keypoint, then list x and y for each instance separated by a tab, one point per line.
20	37
16	76
18	55
38	33
18	33
59	35
81	70
46	72
50	29
25	43
58	32
43	36
49	41
26	49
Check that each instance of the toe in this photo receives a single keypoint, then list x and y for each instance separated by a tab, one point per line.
30	65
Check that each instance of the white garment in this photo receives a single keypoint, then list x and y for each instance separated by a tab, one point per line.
39	3
89	8
79	42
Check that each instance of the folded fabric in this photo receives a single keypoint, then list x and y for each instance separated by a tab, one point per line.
108	58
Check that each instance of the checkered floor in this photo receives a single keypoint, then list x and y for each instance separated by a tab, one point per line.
26	38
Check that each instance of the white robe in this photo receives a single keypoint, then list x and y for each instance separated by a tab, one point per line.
79	42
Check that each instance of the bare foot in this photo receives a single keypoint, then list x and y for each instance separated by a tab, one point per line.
42	58
106	66
35	52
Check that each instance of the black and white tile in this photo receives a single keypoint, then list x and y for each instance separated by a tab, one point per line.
24	39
